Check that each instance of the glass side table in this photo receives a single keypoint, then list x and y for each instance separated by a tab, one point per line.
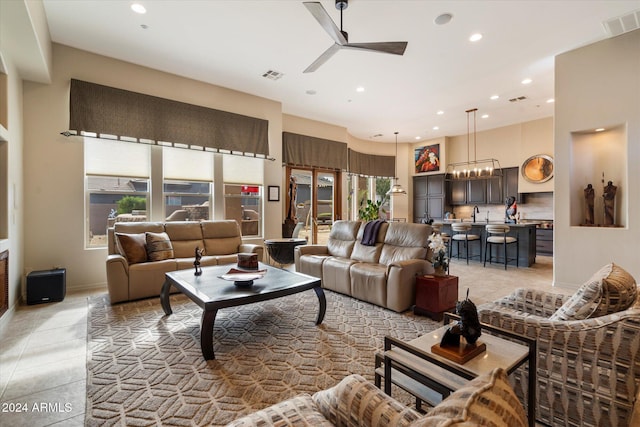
415	368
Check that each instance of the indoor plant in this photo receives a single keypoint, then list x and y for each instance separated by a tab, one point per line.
439	259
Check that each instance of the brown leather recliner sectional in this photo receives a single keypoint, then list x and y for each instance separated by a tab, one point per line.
383	273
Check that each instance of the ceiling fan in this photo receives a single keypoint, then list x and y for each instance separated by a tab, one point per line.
341	37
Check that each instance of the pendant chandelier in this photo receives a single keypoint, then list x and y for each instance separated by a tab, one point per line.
473	169
396	188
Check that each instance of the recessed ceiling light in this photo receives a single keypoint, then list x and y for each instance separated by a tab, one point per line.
138	8
550	101
599	129
359	89
418	137
436	128
445	18
440	113
526	81
484	116
475	37
494	97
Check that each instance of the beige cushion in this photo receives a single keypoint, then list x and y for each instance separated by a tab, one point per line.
298	411
221	237
132	247
487	400
185	237
609	290
342	238
158	246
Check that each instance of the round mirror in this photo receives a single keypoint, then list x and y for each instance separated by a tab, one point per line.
538	168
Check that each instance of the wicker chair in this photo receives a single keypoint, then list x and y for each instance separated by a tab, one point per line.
588	370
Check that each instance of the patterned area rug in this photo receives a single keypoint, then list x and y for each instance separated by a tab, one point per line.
145	368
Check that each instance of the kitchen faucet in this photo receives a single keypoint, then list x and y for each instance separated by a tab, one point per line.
475	209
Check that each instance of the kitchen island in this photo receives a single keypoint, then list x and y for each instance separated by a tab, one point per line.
525	232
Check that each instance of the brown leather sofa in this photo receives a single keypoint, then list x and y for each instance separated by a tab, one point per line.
383	273
131	279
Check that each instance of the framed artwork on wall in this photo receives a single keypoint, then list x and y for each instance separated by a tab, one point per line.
273	193
427	159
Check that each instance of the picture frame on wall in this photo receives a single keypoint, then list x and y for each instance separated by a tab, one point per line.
427	158
273	193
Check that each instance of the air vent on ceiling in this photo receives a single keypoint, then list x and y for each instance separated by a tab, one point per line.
273	75
519	98
622	24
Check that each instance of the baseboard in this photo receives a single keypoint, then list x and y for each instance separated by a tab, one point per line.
101	286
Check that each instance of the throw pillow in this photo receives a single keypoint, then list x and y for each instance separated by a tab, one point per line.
297	411
132	247
487	400
609	290
159	246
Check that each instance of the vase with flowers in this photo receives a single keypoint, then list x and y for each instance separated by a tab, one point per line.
439	259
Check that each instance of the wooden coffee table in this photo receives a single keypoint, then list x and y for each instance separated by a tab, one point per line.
212	293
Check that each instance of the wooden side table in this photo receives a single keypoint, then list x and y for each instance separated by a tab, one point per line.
435	295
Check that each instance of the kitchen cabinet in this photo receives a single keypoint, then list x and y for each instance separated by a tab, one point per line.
510	182
457	192
477	192
494	190
544	241
429	199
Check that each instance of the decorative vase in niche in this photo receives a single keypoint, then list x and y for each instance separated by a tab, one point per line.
439	271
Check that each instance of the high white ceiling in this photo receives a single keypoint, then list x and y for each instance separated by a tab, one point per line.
233	43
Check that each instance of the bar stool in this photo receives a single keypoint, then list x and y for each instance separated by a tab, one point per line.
497	235
460	233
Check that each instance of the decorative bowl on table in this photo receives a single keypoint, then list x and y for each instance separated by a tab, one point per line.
243	278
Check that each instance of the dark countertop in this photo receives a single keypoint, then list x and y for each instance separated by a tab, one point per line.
483	223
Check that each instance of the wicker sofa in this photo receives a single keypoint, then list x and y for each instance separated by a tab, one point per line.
486	400
382	273
588	365
133	272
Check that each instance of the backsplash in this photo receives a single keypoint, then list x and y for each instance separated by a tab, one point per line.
534	206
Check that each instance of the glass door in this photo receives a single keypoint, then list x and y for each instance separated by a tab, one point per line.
325	213
316	203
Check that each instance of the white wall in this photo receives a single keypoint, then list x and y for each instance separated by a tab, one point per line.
54	166
597	86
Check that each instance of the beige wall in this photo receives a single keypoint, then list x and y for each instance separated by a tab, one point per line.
510	145
54	165
13	191
597	86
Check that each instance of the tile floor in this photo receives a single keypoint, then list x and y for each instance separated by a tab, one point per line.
43	353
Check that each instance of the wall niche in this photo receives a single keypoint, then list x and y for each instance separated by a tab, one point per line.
597	157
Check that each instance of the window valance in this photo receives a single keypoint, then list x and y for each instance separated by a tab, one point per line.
371	164
130	116
303	150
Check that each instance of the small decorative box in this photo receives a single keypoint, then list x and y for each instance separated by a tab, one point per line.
248	261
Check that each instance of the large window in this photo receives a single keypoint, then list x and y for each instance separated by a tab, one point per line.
122	180
188	176
117	185
243	191
363	188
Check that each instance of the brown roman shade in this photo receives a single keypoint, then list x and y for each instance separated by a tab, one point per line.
302	150
116	113
371	164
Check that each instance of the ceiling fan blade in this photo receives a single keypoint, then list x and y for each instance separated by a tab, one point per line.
394	48
325	21
323	58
